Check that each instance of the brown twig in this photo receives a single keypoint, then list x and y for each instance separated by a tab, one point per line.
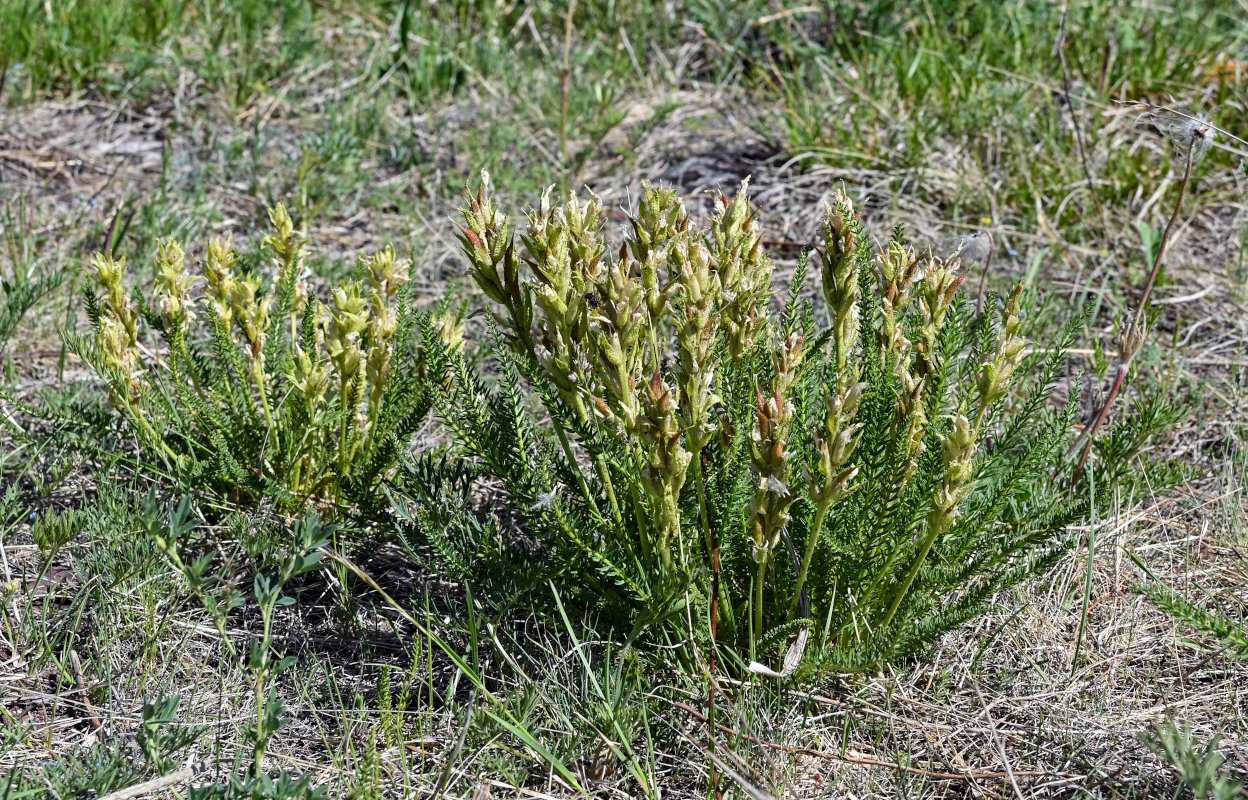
82	686
710	703
996	740
1131	340
983	279
157	784
1182	115
1165	236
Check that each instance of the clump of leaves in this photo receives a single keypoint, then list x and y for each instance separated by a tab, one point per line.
1200	768
216	589
263	391
1229	633
106	767
836	496
53	531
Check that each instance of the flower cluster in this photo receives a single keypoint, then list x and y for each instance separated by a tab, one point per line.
677	371
117	333
314	377
601	328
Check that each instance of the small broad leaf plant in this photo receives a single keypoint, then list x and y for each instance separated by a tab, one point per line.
844	493
263	392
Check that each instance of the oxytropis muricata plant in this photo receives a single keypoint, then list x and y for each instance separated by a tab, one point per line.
860	486
258	387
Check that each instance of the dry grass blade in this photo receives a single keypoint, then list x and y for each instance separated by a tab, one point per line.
158	784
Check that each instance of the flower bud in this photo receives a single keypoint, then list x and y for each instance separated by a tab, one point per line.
172	280
219	275
450	329
110	274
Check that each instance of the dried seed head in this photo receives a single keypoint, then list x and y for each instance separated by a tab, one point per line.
1130	337
1192	134
974	247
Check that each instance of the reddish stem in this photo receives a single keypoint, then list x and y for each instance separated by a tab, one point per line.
983	279
1135	342
710	710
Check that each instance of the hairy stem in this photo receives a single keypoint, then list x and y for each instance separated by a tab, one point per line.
901	593
136	415
605	476
257	374
1165	236
758	598
812	543
566	446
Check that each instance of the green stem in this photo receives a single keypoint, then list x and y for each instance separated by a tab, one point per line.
185	352
812	542
374	414
902	486
703	513
257	375
526	341
599	466
137	415
644	535
261	742
576	469
344	412
296	475
758	598
605	476
928	541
